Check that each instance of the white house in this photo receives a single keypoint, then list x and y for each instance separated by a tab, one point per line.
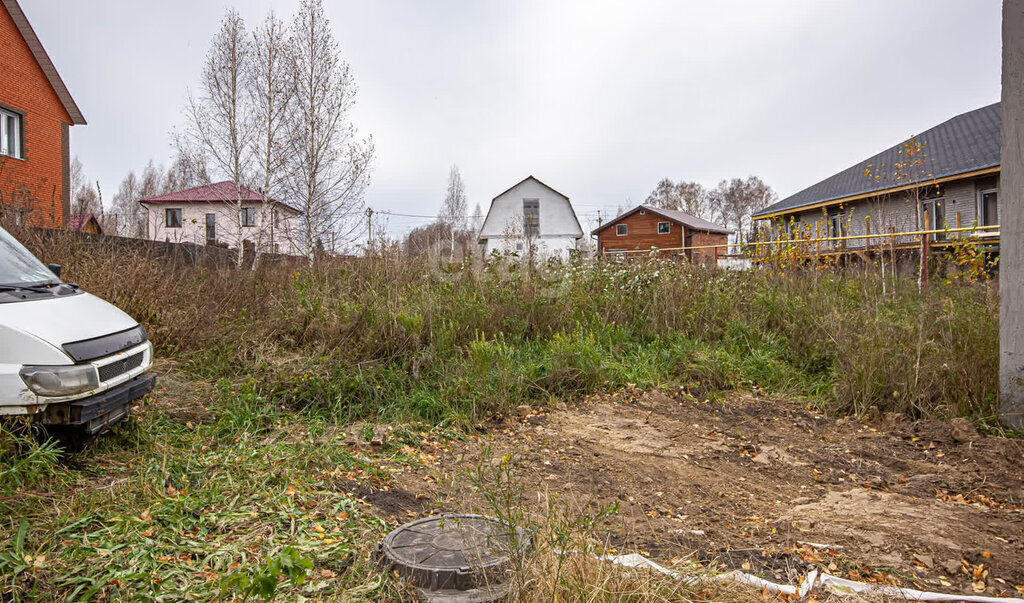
531	213
209	215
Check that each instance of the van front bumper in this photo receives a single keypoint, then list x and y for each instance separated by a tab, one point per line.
97	412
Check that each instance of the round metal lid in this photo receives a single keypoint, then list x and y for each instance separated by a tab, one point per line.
463	558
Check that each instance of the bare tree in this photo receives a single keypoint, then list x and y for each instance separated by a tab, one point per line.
86	200
330	167
453	208
218	121
78	179
477	220
271	89
189	168
689	197
736	199
129	221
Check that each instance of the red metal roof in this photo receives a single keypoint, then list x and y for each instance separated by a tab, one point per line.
212	193
77	221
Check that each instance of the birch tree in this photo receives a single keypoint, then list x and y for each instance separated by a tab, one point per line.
453	208
477	219
217	117
271	90
330	166
127	209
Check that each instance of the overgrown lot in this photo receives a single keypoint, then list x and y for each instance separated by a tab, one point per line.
246	464
399	338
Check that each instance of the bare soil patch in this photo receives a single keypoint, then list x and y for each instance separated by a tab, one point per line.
763	485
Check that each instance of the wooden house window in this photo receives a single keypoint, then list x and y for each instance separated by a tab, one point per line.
664	227
621	230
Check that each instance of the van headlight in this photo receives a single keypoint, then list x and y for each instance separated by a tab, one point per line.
66	380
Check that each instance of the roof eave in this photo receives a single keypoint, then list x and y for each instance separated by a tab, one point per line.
768	213
43	59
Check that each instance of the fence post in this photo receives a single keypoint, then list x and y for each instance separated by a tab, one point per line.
1011	218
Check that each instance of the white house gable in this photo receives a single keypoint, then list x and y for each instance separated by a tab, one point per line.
531	203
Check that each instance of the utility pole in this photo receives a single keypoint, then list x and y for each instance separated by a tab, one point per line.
369	230
1011	221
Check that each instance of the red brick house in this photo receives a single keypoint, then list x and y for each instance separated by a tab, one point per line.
645	228
36	111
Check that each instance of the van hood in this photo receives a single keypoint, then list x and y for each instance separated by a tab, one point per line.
61	320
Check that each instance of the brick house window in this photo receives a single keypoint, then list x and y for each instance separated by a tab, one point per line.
664	227
621	230
172	218
10	134
248	216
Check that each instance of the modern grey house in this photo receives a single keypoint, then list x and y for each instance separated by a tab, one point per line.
947	176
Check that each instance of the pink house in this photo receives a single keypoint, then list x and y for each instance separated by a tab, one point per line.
209	215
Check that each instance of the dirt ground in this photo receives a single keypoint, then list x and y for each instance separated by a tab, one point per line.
747	482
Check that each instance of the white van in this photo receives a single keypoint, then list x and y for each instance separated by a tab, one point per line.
69	359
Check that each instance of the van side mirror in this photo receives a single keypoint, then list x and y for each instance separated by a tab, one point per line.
55	269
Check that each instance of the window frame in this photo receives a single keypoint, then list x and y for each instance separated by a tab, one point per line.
531	228
19	135
624	230
247	217
668	227
936	207
982	214
167	214
210	224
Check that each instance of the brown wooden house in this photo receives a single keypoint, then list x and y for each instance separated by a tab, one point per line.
669	231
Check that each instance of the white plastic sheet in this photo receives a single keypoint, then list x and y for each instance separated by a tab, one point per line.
834	584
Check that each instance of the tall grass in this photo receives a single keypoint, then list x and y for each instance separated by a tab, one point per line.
393	337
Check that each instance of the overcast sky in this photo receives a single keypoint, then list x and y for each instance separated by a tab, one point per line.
598	99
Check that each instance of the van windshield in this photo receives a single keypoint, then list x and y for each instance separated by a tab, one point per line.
18	266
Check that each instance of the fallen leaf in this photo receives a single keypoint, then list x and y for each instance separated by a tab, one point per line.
291	490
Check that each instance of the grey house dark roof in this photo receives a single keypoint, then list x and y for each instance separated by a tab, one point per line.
679	217
965	143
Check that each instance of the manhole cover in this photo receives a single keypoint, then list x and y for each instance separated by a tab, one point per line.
454	558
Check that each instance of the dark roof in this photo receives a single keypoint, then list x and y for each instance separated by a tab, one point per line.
32	40
212	193
965	143
679	217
